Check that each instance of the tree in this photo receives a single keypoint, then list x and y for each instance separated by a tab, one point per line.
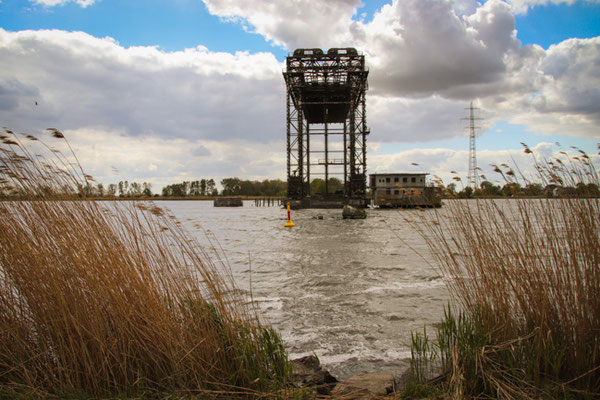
335	185
533	189
112	189
450	190
466	193
211	187
592	190
147	189
487	188
511	189
550	190
231	186
317	186
249	188
274	187
194	188
135	190
176	190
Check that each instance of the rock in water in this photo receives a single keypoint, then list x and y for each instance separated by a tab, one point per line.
307	372
350	212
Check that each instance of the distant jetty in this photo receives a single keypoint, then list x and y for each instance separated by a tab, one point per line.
228	202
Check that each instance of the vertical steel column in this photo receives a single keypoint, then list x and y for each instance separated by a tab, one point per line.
352	150
300	149
308	159
364	134
288	140
326	154
345	135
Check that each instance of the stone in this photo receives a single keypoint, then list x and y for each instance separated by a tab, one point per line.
365	386
403	379
350	212
307	372
228	202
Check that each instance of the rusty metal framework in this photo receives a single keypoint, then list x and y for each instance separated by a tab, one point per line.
326	121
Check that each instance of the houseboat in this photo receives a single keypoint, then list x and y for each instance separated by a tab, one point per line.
403	190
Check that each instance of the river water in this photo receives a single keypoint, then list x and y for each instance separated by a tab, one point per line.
349	291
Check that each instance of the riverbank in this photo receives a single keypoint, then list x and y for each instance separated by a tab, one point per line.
119	300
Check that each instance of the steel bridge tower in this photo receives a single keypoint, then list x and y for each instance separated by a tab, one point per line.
326	125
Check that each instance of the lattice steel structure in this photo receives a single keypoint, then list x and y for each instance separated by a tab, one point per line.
326	122
473	177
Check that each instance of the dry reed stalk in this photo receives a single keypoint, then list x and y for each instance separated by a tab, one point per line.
531	268
114	298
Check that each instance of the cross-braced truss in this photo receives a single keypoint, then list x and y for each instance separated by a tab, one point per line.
326	121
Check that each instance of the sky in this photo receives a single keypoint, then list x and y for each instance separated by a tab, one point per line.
163	91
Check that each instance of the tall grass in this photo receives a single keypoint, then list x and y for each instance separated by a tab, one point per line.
526	276
114	298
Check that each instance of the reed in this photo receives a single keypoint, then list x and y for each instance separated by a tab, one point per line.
114	298
525	274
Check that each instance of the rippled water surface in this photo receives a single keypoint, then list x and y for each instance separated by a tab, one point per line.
350	291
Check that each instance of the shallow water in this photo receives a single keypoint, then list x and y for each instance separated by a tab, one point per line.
350	291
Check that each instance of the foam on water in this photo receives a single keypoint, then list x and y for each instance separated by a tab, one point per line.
406	285
350	291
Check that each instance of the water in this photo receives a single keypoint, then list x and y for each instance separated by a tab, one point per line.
349	291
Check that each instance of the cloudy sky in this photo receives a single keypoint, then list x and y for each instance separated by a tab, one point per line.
170	90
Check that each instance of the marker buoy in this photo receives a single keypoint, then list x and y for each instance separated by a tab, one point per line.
289	222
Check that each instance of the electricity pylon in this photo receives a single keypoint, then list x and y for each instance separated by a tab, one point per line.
473	178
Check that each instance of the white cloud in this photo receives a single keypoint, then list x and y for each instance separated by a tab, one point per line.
299	23
80	81
112	156
416	47
567	97
396	119
52	3
433	50
443	52
571	69
188	113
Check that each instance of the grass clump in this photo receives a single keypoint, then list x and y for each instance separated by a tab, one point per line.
107	299
525	274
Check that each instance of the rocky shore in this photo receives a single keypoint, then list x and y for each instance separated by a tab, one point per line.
308	373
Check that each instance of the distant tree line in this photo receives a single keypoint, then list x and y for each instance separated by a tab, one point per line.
202	187
317	186
274	187
277	187
267	187
514	189
208	187
121	189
